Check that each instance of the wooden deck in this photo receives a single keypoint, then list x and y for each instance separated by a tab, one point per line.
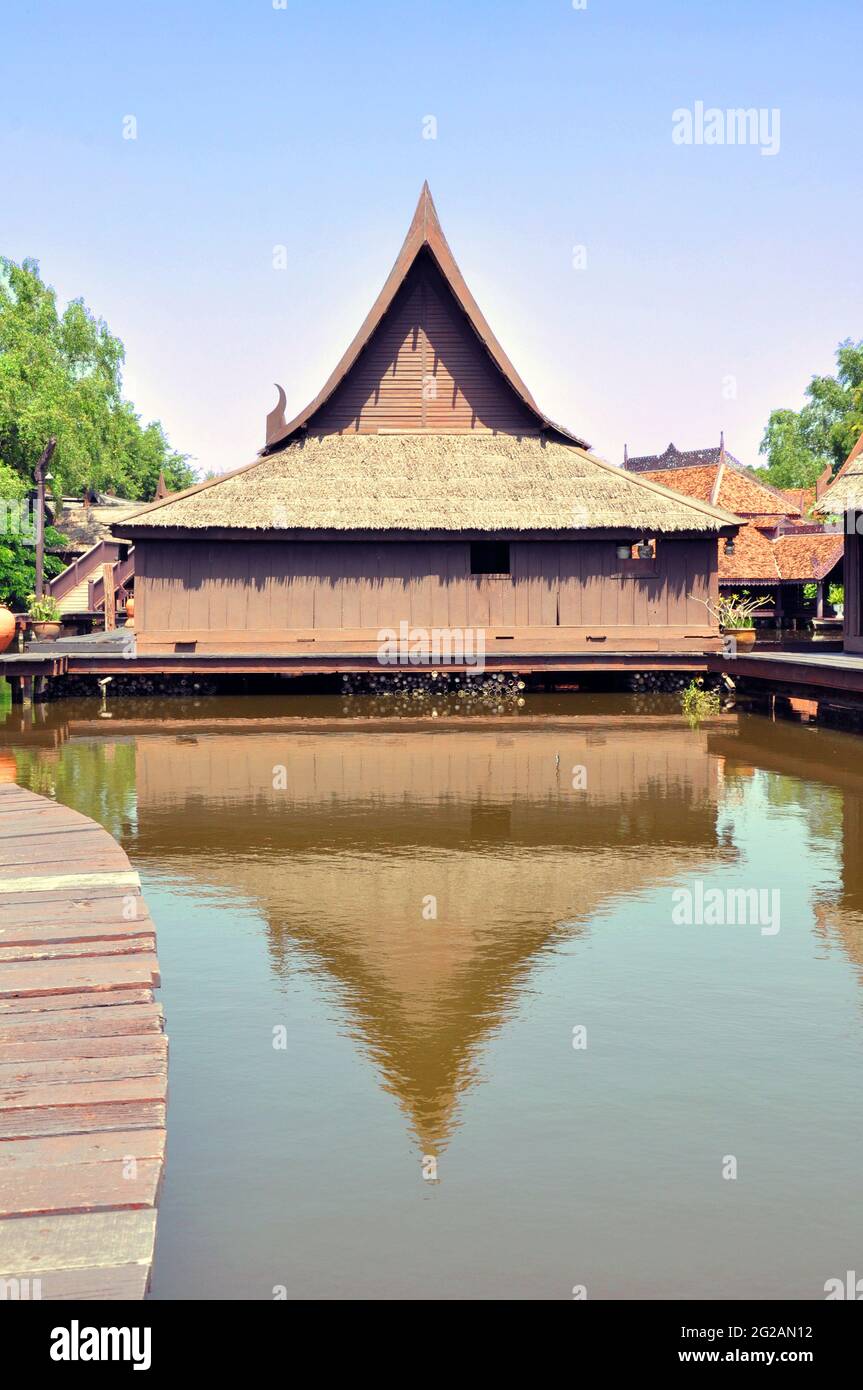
539	651
83	1060
820	672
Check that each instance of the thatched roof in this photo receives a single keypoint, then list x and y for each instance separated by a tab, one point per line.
431	482
845	493
84	524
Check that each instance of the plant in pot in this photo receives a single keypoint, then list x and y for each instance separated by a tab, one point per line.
45	617
7	623
836	599
735	614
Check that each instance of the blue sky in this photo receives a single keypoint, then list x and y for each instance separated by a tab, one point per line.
717	279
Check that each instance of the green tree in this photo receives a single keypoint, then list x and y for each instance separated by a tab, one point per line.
17	540
60	374
800	444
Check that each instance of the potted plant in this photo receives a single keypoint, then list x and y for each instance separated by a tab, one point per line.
836	599
45	617
7	623
735	615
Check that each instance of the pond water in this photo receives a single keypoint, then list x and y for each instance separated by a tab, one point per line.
437	1027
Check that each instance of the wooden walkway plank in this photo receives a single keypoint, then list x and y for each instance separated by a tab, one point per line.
108	1016
58	1150
99	1241
73	907
90	1093
80	1187
34	899
72	1048
120	1283
83	1058
19	879
50	1071
77	950
55	932
81	1119
48	1003
79	977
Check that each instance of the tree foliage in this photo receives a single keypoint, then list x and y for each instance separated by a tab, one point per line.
60	374
800	444
17	540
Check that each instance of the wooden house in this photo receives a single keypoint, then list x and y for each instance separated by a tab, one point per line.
424	488
780	547
844	499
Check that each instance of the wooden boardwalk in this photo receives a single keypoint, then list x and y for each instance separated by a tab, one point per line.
815	672
83	1060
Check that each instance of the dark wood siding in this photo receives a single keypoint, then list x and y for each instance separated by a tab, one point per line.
230	595
424	368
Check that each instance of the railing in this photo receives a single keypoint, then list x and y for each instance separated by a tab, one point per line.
123	571
102	553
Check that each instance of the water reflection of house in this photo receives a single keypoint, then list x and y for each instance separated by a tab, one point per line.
370	825
781	547
827	761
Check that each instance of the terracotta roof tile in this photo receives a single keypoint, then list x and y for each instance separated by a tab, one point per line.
738	492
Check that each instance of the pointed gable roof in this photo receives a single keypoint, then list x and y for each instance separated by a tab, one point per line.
491	463
425	235
846	491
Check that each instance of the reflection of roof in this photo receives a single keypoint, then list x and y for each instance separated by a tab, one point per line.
86	525
373	822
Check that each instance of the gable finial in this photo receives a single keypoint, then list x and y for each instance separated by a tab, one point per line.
161	488
625	455
276	422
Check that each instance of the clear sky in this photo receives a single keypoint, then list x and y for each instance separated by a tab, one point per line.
716	280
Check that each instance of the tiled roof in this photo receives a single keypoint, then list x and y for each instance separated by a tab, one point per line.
807	556
738	492
795	556
760	554
802	497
